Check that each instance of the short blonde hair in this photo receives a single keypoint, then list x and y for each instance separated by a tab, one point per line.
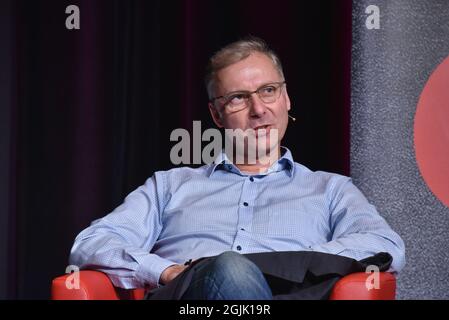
235	52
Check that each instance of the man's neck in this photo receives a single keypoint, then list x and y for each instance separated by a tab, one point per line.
262	164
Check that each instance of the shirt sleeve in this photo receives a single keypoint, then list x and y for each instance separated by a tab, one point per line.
119	244
357	229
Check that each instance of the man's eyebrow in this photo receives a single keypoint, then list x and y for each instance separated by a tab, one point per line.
236	91
244	91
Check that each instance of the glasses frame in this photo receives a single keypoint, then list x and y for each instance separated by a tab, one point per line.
247	94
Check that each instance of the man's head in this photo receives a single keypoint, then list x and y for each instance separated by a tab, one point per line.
234	74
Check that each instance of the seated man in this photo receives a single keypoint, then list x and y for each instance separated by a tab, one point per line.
229	208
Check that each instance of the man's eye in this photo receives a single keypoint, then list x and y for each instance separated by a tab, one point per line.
268	90
236	98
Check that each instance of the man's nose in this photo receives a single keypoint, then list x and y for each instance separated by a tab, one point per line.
257	107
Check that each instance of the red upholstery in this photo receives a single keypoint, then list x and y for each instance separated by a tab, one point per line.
352	287
95	285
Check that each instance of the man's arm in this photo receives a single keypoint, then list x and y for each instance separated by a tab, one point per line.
119	243
357	229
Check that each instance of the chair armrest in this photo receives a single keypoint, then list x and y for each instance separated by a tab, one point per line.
353	287
93	285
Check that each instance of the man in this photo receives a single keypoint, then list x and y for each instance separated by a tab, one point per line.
228	208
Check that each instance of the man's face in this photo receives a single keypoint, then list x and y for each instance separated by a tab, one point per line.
249	75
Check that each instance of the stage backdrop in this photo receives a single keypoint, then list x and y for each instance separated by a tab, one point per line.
91	110
400	130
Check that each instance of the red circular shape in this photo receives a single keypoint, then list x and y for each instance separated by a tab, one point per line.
432	132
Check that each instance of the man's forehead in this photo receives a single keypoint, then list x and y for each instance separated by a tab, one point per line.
255	70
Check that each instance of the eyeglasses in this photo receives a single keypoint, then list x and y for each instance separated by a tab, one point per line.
238	100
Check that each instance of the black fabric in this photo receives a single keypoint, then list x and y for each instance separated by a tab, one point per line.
299	275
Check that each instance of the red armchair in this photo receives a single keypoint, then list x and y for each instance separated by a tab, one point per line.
95	285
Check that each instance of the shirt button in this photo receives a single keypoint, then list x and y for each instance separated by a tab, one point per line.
239	248
245	204
251	179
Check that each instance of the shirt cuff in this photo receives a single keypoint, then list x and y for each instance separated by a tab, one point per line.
150	269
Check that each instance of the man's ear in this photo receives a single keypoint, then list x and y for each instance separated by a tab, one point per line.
287	99
216	116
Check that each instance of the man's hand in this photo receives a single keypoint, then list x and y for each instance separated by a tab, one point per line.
170	273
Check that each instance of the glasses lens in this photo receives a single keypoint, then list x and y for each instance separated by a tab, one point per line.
269	93
236	99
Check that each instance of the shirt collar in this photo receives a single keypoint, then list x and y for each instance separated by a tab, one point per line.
286	162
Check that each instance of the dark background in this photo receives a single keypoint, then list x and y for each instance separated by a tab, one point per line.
86	115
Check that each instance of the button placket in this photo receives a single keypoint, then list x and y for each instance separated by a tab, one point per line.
245	212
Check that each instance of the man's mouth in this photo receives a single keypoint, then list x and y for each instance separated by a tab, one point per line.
262	130
266	127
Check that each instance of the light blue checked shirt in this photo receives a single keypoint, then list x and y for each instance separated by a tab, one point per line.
186	213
